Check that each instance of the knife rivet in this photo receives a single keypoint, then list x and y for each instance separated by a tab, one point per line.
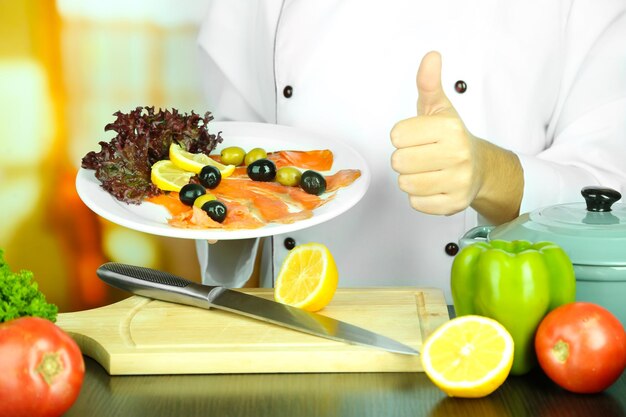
452	248
289	243
288	91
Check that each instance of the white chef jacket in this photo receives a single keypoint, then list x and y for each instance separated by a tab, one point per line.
545	79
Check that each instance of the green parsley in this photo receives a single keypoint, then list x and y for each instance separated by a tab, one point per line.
21	297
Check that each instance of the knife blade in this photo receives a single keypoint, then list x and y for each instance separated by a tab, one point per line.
164	286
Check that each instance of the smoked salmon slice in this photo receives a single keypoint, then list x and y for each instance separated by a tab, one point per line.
291	195
253	204
239	215
319	160
273	201
341	179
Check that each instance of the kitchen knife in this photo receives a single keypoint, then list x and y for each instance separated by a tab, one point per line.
167	287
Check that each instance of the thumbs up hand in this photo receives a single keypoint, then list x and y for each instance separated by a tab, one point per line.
436	156
444	168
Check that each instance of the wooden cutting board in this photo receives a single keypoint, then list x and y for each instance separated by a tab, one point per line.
143	336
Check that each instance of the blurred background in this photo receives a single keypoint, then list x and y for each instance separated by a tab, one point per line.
65	67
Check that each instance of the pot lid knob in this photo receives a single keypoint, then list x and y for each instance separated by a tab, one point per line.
600	199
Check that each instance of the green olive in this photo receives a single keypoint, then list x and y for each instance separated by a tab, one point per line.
289	176
199	202
233	155
254	155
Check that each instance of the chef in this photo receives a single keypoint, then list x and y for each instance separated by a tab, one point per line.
522	105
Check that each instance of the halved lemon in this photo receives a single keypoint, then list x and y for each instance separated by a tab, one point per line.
194	162
307	278
168	177
468	356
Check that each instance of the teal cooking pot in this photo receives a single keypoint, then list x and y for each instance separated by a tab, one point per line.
592	233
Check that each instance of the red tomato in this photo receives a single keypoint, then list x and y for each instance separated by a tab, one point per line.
582	347
41	368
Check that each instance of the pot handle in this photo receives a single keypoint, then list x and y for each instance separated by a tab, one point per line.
475	234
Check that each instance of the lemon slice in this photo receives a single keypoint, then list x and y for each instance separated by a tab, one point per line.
194	162
468	356
307	278
168	177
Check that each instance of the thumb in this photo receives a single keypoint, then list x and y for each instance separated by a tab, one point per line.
431	98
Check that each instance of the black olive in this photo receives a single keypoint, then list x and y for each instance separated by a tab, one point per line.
313	182
215	209
190	192
210	176
262	170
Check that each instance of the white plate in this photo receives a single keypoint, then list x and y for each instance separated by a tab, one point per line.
152	218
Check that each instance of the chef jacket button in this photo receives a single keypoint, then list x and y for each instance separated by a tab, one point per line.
288	91
289	243
460	86
452	248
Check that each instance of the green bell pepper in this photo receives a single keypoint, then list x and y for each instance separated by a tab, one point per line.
516	283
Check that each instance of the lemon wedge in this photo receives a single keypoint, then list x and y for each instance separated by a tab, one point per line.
194	162
307	278
168	177
468	356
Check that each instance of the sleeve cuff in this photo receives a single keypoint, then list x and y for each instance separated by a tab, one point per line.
548	183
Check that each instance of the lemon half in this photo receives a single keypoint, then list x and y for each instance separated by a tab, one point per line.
468	356
307	278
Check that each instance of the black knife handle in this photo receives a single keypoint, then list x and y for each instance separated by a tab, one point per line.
155	284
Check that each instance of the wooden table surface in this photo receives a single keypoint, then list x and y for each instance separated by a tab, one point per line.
346	394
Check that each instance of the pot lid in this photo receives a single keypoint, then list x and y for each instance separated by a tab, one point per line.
592	232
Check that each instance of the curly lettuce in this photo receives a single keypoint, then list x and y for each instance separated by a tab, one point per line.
143	138
19	296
